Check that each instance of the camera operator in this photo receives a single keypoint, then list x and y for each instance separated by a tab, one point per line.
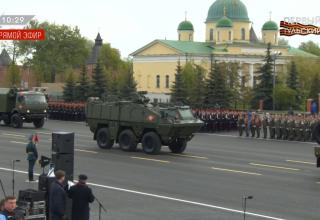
8	212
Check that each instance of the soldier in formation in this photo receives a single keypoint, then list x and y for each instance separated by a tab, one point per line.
66	111
278	126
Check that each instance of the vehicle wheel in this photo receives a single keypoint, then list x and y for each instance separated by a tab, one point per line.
38	123
104	140
178	146
128	140
16	121
151	143
316	133
6	121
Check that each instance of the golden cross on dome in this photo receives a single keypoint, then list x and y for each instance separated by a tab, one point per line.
270	13
185	15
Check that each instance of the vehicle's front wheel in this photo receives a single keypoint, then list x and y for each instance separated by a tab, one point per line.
127	140
16	121
151	143
104	140
178	146
38	123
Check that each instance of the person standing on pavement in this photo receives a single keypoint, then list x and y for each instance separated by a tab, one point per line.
32	156
58	197
81	196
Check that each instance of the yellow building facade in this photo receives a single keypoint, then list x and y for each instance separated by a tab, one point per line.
229	37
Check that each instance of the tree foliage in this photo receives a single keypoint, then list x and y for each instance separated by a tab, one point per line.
13	75
264	88
315	87
69	88
99	81
63	48
83	88
285	96
130	85
178	89
310	47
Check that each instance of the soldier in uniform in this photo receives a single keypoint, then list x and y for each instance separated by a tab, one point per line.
252	125
246	125
298	129
272	127
277	123
291	128
257	123
265	126
284	127
241	124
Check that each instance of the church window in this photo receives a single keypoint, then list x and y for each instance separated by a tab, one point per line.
229	35
243	34
158	81
218	35
211	34
167	81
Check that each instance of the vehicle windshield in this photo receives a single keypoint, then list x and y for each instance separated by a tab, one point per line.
186	114
35	98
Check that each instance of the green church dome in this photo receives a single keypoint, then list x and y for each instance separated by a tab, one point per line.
224	22
270	26
233	9
185	26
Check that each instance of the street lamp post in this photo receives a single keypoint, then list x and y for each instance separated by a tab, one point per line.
244	203
274	56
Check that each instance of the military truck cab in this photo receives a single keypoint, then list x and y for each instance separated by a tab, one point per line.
136	121
18	107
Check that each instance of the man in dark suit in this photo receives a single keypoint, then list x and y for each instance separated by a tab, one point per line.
58	197
81	196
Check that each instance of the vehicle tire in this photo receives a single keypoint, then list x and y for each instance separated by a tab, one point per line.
104	140
128	140
6	121
151	143
178	146
316	133
38	123
16	121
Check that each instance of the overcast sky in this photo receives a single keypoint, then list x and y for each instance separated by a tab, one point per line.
129	25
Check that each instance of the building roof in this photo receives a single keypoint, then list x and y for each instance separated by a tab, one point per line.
270	26
253	36
300	53
234	9
185	26
93	59
224	22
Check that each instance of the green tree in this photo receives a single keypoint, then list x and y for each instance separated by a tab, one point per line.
188	77
99	81
310	47
293	82
130	85
83	88
315	87
231	71
13	75
198	87
178	89
217	93
63	48
285	96
263	90
69	88
283	42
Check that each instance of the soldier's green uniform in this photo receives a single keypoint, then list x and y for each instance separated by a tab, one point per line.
265	127
306	130
291	128
278	128
284	128
298	130
253	126
272	127
241	125
312	126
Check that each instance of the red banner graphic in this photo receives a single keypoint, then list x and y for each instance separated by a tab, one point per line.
290	29
22	34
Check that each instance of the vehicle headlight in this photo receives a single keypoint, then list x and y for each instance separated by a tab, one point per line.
44	111
28	111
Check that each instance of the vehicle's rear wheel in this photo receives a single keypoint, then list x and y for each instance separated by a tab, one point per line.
128	140
178	146
104	140
151	143
38	123
16	121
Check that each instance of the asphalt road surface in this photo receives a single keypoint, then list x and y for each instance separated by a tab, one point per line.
208	181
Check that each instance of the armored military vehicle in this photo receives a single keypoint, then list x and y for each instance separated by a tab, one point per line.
19	106
129	122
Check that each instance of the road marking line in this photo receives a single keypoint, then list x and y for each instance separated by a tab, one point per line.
40	132
150	159
17	142
271	166
15	135
303	162
86	151
236	171
187	155
167	198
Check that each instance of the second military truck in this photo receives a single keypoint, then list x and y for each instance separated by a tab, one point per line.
136	121
17	107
